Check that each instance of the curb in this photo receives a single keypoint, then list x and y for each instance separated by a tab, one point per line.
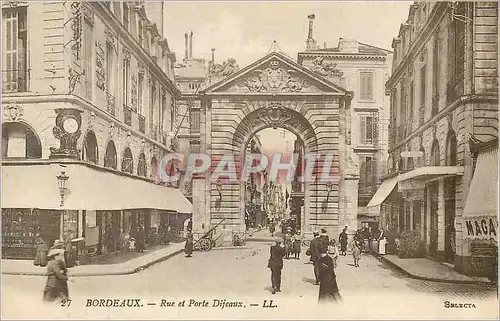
84	274
419	277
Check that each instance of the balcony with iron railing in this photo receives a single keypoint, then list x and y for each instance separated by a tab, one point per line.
15	80
127	115
142	123
110	104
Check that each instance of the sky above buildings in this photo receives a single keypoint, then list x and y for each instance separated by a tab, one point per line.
246	30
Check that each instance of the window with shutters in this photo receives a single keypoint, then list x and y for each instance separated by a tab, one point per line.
195	120
88	51
435	75
366	86
140	89
402	104
15	45
423	85
368	132
163	110
125	81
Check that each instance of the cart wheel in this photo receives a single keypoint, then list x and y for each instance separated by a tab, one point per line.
205	245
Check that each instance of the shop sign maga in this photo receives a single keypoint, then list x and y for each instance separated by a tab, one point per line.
481	227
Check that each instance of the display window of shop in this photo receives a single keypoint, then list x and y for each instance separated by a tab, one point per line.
21	229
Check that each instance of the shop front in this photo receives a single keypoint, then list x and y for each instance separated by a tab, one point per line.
91	216
479	219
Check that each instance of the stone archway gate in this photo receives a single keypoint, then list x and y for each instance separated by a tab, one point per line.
274	92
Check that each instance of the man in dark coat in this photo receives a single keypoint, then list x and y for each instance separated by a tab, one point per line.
315	252
325	240
343	242
328	289
190	225
275	263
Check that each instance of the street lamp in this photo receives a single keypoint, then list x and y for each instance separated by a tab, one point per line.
329	188
62	180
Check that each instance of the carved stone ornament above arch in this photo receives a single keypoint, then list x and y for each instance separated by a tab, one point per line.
273	79
274	114
112	130
91	120
13	112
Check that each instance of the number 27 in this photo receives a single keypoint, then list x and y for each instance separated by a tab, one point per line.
65	302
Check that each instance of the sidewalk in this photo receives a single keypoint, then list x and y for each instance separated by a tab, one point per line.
426	269
26	267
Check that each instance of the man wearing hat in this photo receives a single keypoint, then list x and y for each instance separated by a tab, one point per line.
325	241
315	252
275	263
57	279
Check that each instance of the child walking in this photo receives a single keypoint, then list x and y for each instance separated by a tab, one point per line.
356	253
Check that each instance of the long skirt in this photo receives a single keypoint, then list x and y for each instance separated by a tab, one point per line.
41	257
343	246
381	246
53	293
296	247
329	291
188	248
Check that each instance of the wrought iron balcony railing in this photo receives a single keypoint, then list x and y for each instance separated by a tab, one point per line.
110	103
127	115
15	80
142	123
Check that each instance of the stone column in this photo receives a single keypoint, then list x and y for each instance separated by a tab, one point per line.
351	204
411	215
200	215
441	214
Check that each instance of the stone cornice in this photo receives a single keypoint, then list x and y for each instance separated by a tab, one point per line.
112	22
425	33
443	113
336	55
77	100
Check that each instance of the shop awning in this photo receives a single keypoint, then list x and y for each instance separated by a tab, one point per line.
36	186
431	172
383	191
481	208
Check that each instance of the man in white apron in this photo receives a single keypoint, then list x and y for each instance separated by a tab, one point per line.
381	242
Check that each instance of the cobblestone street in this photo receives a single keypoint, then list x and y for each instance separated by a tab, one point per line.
241	275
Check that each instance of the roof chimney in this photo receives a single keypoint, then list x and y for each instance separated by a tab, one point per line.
191	45
310	42
213	55
185	46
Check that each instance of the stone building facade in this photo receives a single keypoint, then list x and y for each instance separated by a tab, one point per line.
444	95
87	85
362	69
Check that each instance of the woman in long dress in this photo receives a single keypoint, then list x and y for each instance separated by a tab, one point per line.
140	241
297	244
356	252
328	289
57	279
41	253
382	240
188	248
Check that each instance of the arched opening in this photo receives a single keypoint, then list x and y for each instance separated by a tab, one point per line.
154	168
451	149
20	141
409	164
435	156
421	159
434	191
449	198
276	119
127	161
141	165
110	160
90	151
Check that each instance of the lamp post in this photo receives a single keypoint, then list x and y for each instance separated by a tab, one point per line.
62	180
